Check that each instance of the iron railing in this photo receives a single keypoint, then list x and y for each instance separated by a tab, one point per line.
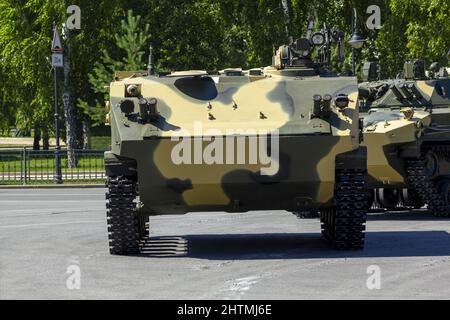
26	166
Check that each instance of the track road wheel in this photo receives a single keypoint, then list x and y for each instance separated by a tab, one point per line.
388	198
428	189
445	194
431	165
370	199
123	221
412	199
344	225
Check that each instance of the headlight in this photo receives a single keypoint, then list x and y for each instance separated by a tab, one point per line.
133	91
342	101
318	39
127	107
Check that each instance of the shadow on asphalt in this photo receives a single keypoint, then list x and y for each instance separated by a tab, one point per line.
312	246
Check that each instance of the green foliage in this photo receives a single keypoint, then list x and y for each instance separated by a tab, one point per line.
25	33
427	27
100	20
190	34
128	56
7	110
187	34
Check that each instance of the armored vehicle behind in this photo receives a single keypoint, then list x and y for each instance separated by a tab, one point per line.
284	137
407	133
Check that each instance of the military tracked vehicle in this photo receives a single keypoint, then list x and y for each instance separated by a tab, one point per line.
283	137
407	133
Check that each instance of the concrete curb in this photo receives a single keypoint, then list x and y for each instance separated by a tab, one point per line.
69	186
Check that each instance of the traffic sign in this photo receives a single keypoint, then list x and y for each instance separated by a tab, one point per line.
57	60
57	44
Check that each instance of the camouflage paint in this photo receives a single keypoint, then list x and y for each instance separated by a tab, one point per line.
388	138
308	147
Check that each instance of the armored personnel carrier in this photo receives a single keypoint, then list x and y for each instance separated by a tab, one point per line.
407	133
283	137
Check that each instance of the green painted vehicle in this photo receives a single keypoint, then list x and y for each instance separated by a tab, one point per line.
407	133
282	137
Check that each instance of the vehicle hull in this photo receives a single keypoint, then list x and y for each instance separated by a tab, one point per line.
304	180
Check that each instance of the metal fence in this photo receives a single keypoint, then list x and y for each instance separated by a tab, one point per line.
26	166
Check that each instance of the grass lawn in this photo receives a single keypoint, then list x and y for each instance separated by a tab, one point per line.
51	182
101	143
41	165
47	164
97	143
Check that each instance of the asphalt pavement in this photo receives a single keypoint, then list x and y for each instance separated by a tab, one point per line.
53	245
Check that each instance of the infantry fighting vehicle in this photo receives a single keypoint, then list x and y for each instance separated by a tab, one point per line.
407	133
283	137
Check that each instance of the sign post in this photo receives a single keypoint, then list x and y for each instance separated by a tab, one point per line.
57	62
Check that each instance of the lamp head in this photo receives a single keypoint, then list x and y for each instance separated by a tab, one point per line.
356	41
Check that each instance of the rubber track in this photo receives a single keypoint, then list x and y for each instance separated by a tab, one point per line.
426	188
344	227
123	224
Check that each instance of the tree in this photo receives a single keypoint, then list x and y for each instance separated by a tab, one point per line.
7	105
100	21
186	34
25	39
25	32
131	41
427	28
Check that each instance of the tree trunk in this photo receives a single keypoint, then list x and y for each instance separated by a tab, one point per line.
45	139
86	135
37	138
69	114
287	16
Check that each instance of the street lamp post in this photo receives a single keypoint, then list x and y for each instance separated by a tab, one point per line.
356	41
57	62
58	172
